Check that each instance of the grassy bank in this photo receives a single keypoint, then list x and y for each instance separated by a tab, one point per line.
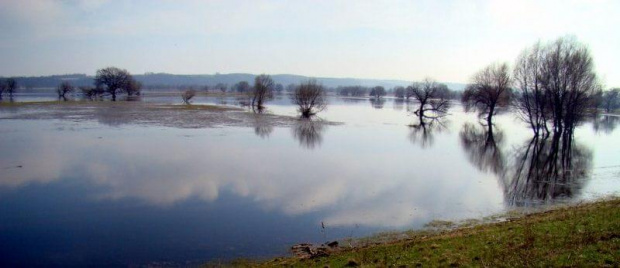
582	235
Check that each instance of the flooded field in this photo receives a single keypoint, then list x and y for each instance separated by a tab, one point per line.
154	182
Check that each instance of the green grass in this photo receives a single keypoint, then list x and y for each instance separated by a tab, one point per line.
582	235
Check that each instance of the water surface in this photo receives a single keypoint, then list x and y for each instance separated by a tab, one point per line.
114	193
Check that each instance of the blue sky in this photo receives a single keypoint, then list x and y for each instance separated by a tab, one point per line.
409	40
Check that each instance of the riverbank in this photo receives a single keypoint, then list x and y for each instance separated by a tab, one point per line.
581	235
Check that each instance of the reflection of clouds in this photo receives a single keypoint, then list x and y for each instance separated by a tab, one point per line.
39	164
308	132
164	167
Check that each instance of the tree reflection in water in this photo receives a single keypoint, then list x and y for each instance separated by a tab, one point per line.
308	132
545	170
482	147
377	103
398	104
423	131
605	123
262	126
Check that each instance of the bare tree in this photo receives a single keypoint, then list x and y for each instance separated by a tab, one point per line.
11	86
310	98
531	102
262	91
2	88
409	92
399	92
242	87
221	87
355	91
611	100
188	95
64	88
114	81
377	92
134	87
489	91
557	84
429	95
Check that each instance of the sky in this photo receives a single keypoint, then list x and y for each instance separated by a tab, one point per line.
407	40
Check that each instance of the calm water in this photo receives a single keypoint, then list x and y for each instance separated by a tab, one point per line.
91	193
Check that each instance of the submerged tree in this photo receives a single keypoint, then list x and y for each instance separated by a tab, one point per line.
2	88
431	99
377	92
188	95
489	91
241	87
611	100
10	86
262	91
115	81
557	85
64	88
399	92
221	87
310	98
134	87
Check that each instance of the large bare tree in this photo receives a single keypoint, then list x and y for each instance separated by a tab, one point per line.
557	84
489	91
310	98
262	91
114	81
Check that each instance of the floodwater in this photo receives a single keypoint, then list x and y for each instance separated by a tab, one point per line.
90	192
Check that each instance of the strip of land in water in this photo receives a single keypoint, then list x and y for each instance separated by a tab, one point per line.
574	236
143	113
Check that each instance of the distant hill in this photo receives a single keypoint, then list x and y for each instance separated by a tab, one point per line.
165	81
